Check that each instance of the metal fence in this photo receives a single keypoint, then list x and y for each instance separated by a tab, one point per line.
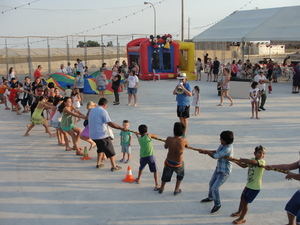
26	53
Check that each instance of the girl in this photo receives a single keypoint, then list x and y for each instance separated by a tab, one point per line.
254	98
67	123
225	87
196	98
76	99
84	135
37	117
13	94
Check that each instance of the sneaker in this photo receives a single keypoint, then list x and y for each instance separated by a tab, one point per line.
122	160
259	110
116	103
206	200
126	161
215	208
262	108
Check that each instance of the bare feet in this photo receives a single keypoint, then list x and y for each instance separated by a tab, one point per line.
26	134
137	181
239	221
235	214
252	117
257	118
68	149
231	104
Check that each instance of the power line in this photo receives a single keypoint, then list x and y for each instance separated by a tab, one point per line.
19	6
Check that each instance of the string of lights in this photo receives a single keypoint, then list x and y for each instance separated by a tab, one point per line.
19	6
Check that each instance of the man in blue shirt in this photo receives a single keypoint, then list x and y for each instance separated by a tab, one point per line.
99	121
183	92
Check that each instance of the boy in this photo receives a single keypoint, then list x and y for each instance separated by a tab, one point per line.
146	154
255	174
125	141
174	161
222	170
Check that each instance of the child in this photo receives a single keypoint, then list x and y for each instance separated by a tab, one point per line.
76	99
255	174
125	141
68	91
19	98
133	82
67	122
222	170
13	97
84	135
174	161
146	154
37	117
3	92
196	98
254	98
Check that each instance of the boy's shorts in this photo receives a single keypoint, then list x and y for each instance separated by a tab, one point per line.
105	145
126	149
168	172
293	206
249	194
132	91
101	88
183	111
150	160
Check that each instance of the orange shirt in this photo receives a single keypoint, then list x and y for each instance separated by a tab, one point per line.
3	88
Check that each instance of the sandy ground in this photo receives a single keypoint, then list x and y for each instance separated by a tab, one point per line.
41	184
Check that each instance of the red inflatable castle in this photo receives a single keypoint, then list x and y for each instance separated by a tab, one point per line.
154	55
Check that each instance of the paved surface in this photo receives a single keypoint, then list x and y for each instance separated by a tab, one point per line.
41	184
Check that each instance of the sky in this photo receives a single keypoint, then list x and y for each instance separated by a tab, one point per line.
66	17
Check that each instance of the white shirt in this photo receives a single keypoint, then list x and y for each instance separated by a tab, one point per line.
56	117
69	70
258	78
80	67
132	81
11	75
62	71
98	119
254	93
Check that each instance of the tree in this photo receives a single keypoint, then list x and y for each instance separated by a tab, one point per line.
109	44
89	43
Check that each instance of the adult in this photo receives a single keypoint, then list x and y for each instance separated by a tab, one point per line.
115	68
99	121
205	58
133	82
239	69
296	79
101	80
80	66
208	69
69	69
38	72
216	69
199	68
11	74
62	69
116	81
183	92
261	79
234	69
225	87
276	72
293	206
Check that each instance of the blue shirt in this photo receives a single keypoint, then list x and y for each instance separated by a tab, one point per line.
98	119
223	165
183	99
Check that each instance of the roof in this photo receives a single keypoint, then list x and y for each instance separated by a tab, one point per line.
275	24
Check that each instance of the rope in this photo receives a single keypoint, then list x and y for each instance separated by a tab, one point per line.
235	160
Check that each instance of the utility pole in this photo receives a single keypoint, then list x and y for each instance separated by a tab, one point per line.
182	20
189	28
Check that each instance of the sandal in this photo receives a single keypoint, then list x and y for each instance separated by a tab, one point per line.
177	192
116	168
156	189
100	165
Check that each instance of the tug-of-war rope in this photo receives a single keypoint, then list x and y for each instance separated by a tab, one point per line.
235	160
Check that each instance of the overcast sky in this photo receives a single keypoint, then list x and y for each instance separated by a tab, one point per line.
63	17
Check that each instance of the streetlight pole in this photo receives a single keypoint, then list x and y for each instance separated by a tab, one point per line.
182	20
152	5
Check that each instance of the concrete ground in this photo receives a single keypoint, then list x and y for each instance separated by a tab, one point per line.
41	184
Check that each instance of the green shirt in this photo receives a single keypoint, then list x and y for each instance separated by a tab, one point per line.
146	146
255	174
125	137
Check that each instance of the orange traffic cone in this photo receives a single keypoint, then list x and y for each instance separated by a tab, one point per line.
129	177
85	154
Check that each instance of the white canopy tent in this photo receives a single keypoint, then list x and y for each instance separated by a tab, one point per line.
275	24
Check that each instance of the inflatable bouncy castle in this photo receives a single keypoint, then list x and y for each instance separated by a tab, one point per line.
163	56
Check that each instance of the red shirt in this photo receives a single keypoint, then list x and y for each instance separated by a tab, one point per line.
37	73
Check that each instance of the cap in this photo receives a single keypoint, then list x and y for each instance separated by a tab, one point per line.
181	76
